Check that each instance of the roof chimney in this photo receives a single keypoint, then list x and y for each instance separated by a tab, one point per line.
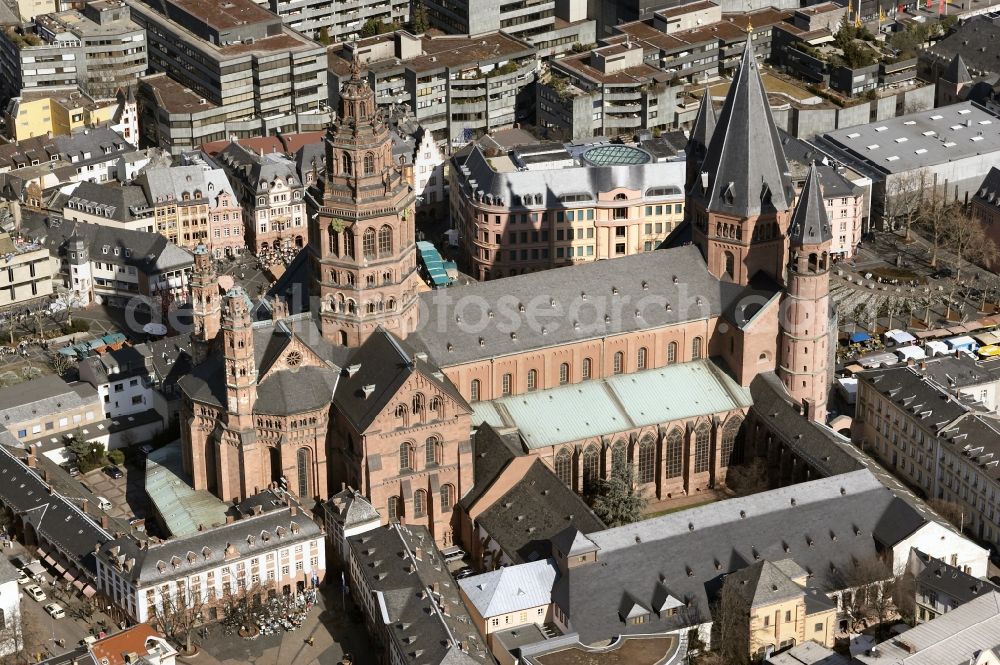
293	510
105	521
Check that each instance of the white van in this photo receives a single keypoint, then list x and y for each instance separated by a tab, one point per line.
452	554
103	504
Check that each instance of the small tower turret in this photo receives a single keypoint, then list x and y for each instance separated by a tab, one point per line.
205	303
805	315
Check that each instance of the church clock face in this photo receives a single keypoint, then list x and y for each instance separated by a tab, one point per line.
293	359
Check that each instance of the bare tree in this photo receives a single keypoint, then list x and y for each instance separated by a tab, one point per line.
29	637
731	624
950	511
747	479
178	616
869	589
934	220
967	239
61	364
904	199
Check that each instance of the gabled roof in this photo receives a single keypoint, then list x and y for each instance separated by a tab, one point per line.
747	172
571	541
511	588
957	72
375	372
350	508
810	224
763	583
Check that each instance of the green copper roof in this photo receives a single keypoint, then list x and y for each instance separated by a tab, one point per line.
595	408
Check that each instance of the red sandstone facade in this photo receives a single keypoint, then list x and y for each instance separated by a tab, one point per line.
361	242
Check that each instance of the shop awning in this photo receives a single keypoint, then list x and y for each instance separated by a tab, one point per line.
89	591
78	584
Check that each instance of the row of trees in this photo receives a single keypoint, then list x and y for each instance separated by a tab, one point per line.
947	224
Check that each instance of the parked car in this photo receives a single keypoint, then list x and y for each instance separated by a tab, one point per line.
22	577
943	272
88	640
55	610
35	592
453	554
72	470
103	504
114	472
462	573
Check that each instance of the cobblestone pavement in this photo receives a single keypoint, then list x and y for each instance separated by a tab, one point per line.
330	625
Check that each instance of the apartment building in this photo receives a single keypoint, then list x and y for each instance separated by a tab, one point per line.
195	204
271	193
57	111
458	87
99	48
338	21
48	406
551	204
108	204
103	264
551	26
98	155
233	71
25	273
609	91
267	545
933	425
940	587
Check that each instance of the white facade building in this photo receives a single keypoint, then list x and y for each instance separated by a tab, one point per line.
10	609
272	546
122	379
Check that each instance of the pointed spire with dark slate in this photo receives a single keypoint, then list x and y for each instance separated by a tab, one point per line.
746	167
810	225
704	122
957	71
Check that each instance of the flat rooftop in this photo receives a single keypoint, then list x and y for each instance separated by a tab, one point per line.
176	97
689	8
922	139
732	28
579	65
73	21
438	52
225	14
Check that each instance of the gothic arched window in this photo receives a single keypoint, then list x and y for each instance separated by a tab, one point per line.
591	468
564	467
369	163
647	460
368	244
385	241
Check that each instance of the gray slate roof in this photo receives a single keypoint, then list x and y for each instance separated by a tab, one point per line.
689	552
800	155
253	169
473	172
975	40
48	394
747	172
350	508
957	71
822	449
703	128
763	583
937	575
206	382
121	203
296	390
810	225
402	584
55	518
534	510
149	253
989	191
555	300
384	363
204	549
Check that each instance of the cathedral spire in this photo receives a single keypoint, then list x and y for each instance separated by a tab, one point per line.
810	225
747	174
700	137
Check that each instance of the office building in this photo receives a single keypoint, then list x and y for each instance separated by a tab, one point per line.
98	48
233	70
458	87
26	272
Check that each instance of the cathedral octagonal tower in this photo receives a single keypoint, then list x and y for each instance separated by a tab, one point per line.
361	241
805	312
741	199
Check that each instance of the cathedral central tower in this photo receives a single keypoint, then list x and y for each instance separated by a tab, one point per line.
741	198
361	241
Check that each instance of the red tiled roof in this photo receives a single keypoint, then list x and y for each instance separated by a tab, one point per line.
131	640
